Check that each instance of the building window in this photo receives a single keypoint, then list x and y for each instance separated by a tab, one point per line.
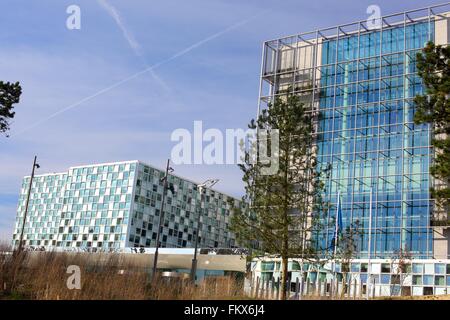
385	268
439	281
428	280
429	268
385	278
439	268
355	267
267	265
363	278
417	280
364	267
417	268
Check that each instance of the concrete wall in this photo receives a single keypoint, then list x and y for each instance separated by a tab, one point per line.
441	29
441	235
440	242
145	261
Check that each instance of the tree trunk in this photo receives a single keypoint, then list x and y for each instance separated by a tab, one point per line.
284	276
285	246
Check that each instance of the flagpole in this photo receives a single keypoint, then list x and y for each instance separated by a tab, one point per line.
369	250
336	234
336	224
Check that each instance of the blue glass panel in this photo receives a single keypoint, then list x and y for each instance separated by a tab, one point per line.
439	268
385	278
428	280
365	143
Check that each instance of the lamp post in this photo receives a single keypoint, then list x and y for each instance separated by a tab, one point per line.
35	166
201	187
161	217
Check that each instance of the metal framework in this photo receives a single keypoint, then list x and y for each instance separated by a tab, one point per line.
362	82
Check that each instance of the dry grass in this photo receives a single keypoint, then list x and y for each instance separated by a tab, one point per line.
43	276
440	297
212	289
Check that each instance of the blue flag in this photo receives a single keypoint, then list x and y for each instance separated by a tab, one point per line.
338	225
339	216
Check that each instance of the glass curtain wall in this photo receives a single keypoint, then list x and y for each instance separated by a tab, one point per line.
367	136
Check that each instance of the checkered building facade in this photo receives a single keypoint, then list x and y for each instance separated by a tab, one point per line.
117	205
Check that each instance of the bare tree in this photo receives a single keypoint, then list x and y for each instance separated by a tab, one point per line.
347	247
403	258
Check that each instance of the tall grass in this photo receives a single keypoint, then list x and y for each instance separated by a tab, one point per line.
43	276
210	289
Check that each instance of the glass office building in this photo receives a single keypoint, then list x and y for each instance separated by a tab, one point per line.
117	205
359	80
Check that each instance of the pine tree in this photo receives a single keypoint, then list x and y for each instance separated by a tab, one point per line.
283	207
9	95
434	108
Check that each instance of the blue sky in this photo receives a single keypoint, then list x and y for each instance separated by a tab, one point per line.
215	81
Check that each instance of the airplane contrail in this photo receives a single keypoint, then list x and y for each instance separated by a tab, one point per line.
129	37
112	11
150	68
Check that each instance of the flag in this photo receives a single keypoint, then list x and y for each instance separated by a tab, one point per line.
338	225
339	216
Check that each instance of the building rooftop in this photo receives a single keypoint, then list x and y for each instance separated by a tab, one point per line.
125	162
411	16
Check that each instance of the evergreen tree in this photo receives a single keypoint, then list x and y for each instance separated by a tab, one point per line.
9	95
434	108
283	207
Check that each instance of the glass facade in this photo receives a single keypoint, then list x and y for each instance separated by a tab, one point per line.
360	84
117	205
181	211
368	138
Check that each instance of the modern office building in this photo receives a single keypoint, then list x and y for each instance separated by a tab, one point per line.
359	80
114	206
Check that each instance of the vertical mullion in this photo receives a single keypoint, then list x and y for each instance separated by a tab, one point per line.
261	77
314	116
354	127
428	165
276	75
333	127
378	139
294	63
377	152
314	66
403	179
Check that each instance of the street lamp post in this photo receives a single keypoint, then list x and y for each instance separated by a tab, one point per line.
35	166
161	217
201	187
